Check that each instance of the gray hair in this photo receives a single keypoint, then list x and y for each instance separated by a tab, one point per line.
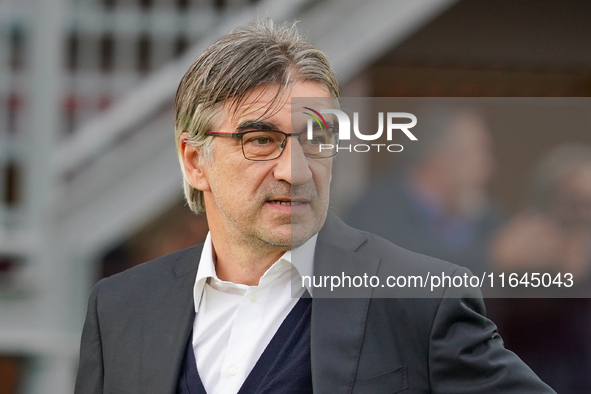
259	54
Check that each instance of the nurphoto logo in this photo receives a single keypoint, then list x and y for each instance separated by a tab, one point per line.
318	123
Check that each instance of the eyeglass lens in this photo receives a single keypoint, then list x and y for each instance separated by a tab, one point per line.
262	145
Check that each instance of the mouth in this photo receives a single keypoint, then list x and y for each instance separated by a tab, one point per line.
288	203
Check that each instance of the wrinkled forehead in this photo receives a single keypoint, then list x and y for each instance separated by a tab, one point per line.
293	105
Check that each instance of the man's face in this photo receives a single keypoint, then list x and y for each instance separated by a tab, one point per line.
470	158
281	202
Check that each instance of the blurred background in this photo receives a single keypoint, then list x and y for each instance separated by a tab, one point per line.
90	186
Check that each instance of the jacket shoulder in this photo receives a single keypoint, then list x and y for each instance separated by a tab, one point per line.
405	260
339	234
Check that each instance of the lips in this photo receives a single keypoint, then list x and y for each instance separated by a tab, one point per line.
288	200
287	203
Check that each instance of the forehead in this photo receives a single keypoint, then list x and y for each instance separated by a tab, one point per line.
271	104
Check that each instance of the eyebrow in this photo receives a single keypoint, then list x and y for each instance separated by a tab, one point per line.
257	125
330	124
266	125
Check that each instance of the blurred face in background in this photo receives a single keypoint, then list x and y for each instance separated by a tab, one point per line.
464	163
571	205
469	153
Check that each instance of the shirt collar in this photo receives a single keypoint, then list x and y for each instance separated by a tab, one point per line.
300	258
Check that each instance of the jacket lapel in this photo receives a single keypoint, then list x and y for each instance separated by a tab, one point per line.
168	321
338	324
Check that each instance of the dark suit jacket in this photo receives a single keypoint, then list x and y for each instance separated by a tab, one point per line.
139	322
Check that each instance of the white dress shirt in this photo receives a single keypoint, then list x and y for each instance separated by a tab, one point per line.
234	323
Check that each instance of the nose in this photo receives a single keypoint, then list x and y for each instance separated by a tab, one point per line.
292	166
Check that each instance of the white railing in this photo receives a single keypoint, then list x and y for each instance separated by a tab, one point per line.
92	131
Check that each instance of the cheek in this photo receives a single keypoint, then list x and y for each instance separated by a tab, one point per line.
241	183
223	180
322	174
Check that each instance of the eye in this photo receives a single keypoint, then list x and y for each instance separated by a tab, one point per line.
320	137
316	140
261	140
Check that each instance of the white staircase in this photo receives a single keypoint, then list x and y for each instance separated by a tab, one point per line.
86	90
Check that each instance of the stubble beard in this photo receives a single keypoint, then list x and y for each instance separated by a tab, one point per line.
300	230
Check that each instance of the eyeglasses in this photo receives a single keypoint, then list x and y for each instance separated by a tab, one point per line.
264	145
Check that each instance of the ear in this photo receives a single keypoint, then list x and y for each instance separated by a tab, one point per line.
196	173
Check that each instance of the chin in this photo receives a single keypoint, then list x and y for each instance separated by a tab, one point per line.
279	236
290	239
283	242
290	235
301	235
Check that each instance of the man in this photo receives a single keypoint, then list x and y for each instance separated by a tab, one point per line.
219	317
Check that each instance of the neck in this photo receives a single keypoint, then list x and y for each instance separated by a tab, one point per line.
241	263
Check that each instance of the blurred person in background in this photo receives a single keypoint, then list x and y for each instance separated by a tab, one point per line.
552	234
437	203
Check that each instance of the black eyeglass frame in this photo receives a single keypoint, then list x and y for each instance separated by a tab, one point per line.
241	134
